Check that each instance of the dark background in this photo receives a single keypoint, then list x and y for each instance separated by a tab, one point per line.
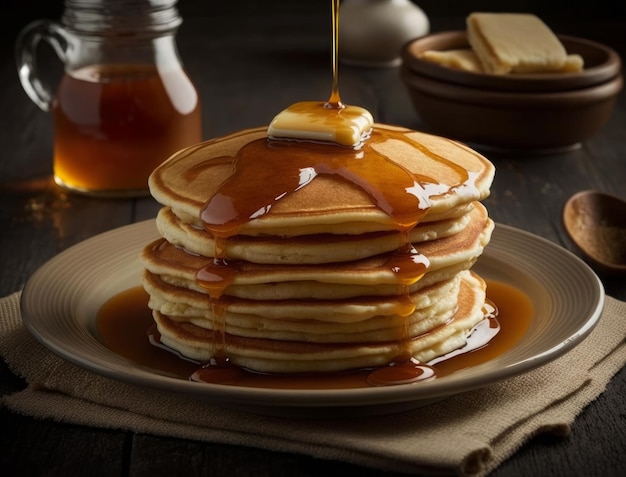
16	13
575	17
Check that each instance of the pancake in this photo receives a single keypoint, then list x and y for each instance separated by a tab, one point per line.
289	256
316	248
178	301
329	203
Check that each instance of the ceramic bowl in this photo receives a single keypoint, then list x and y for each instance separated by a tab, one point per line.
525	113
601	64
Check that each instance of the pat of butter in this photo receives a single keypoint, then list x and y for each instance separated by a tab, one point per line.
314	120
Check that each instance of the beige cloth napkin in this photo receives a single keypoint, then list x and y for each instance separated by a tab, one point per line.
467	434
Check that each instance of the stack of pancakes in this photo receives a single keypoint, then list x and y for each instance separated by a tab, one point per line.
358	259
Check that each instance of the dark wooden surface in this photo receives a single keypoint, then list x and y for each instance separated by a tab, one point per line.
251	59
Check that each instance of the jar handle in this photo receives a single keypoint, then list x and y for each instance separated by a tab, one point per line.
26	56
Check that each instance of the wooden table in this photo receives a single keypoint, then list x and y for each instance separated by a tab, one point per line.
251	59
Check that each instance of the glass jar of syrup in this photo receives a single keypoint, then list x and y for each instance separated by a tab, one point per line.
124	103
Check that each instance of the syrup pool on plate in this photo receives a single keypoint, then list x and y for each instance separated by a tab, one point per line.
125	326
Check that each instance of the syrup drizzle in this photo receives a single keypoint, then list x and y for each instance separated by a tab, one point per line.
334	101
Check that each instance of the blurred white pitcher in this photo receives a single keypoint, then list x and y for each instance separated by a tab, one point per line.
372	32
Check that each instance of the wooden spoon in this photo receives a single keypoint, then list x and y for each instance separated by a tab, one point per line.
596	223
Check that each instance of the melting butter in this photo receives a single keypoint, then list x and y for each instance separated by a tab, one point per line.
319	121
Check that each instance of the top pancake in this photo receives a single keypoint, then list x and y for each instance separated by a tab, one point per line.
339	191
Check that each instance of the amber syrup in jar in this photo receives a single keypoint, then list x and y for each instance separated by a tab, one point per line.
115	123
125	102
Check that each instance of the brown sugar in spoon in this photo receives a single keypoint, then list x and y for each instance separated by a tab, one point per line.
596	223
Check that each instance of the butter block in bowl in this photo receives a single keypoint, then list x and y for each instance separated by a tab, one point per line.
517	43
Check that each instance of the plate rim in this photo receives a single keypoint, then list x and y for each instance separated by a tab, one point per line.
298	398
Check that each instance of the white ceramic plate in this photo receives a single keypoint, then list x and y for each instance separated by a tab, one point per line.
61	300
